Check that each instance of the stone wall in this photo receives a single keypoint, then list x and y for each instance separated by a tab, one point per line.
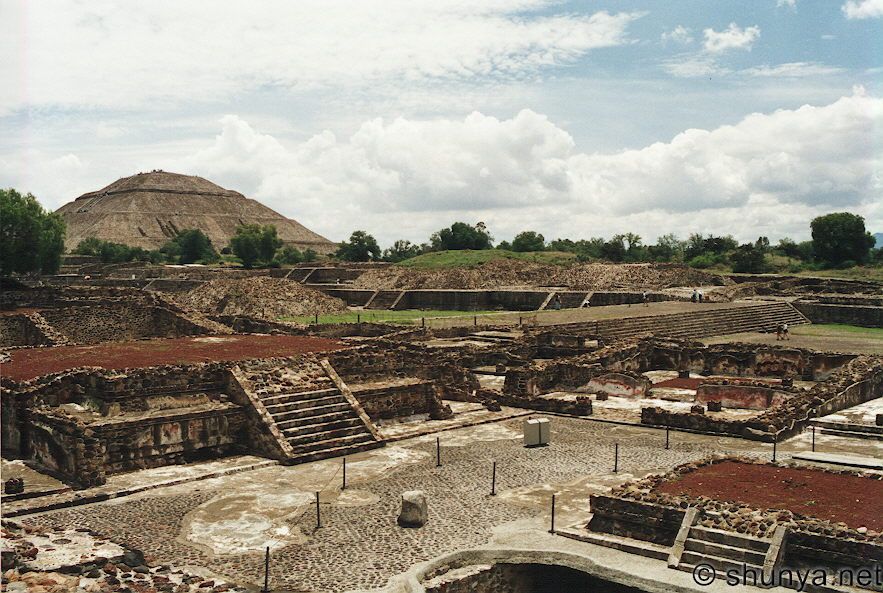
123	321
645	521
862	315
392	400
20	330
751	397
398	360
86	423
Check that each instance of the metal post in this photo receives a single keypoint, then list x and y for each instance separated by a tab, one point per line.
423	322
666	437
475	320
317	319
774	449
437	452
358	318
266	588
318	513
520	322
494	480
552	530
814	438
616	458
344	474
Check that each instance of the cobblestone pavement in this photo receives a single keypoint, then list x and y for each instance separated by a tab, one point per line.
360	546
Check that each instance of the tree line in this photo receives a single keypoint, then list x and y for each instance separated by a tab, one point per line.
32	241
839	240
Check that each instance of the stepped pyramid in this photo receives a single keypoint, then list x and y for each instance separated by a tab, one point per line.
148	209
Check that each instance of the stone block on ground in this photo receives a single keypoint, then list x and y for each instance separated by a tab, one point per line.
415	511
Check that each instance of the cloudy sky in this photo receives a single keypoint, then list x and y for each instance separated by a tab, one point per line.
575	119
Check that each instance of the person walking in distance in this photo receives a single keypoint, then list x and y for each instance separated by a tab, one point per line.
785	332
778	332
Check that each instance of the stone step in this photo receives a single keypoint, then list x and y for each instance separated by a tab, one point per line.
306	426
332	443
852	434
340	406
729	538
312	420
283	398
335	452
723	551
325	436
308	403
720	565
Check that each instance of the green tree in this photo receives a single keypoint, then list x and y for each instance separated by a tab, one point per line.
614	250
400	251
504	246
289	255
255	244
839	238
115	253
310	255
191	246
667	248
360	247
462	236
528	241
748	259
31	238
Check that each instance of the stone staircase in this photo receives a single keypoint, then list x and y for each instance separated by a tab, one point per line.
384	299
52	335
761	317
312	414
573	300
723	550
851	430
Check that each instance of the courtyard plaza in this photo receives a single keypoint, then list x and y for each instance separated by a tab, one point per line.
222	525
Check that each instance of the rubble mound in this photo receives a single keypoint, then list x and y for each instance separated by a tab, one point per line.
506	273
267	298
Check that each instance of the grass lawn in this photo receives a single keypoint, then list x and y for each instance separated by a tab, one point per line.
469	258
405	317
837	329
872	273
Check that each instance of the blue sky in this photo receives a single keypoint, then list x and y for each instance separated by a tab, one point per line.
574	119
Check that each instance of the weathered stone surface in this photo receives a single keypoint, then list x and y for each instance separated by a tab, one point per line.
415	511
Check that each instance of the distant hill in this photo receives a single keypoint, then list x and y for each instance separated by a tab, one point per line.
879	238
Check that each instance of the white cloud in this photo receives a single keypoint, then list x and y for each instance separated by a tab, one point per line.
733	37
166	51
792	70
406	178
786	3
693	66
679	34
863	9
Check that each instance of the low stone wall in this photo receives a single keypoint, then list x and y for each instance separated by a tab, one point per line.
110	323
172	438
862	315
399	400
400	360
649	522
173	285
812	540
751	397
817	549
603	299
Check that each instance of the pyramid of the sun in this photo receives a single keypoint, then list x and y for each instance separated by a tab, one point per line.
148	209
